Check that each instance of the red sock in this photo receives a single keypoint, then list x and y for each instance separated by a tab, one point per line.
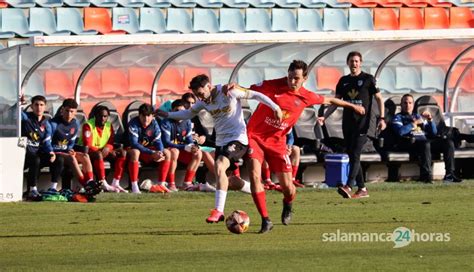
88	176
266	175
99	167
295	170
133	170
189	176
119	163
82	181
289	199
260	201
171	178
163	170
236	172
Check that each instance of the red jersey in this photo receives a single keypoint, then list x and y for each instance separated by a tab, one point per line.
263	123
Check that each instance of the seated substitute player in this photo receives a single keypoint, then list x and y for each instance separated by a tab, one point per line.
223	103
177	138
144	135
39	152
65	128
98	135
267	135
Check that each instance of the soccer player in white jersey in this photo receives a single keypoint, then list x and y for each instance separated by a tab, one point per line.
223	103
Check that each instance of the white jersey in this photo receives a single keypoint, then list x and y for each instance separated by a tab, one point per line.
226	111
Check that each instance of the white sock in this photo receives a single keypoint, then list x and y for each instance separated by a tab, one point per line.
115	182
33	188
363	189
246	187
54	185
135	188
221	195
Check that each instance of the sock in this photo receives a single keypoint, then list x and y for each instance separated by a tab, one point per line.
33	188
82	180
99	166
54	185
115	182
289	199
189	176
163	170
221	196
135	187
88	175
236	171
295	170
133	170
119	163
259	199
246	187
363	189
266	175
171	178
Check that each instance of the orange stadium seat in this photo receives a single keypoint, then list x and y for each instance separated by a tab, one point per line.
364	3
217	57
3	4
140	81
416	3
58	82
439	3
99	19
411	18
191	72
461	17
436	18
327	78
114	81
91	85
445	55
390	3
385	19
171	81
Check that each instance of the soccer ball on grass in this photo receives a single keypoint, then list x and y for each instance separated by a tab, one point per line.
237	222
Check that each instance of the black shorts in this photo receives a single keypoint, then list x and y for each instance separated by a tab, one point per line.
234	151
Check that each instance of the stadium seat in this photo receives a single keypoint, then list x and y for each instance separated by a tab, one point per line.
215	57
445	55
205	20
461	17
390	3
126	19
158	3
190	72
436	18
210	3
360	19
114	81
236	3
43	20
49	3
261	3
9	86
338	4
131	3
77	3
100	20
153	19
172	80
71	20
327	78
432	77
220	75
179	20
272	73
130	112
247	76
104	3
14	20
387	82
283	20
184	3
287	3
91	85
439	3
3	4
35	85
257	20
310	83
364	3
57	82
411	18
140	81
385	19
231	20
462	3
410	78
309	20
335	20
21	3
415	3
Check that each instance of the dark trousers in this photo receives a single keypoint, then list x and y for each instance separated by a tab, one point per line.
354	142
420	150
445	147
35	161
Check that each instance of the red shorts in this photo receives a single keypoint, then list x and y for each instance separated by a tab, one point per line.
185	157
274	153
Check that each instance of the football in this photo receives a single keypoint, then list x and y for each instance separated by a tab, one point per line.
237	222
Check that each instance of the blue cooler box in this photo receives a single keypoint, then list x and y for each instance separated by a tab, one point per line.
337	169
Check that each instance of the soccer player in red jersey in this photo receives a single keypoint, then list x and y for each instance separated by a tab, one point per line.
267	135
